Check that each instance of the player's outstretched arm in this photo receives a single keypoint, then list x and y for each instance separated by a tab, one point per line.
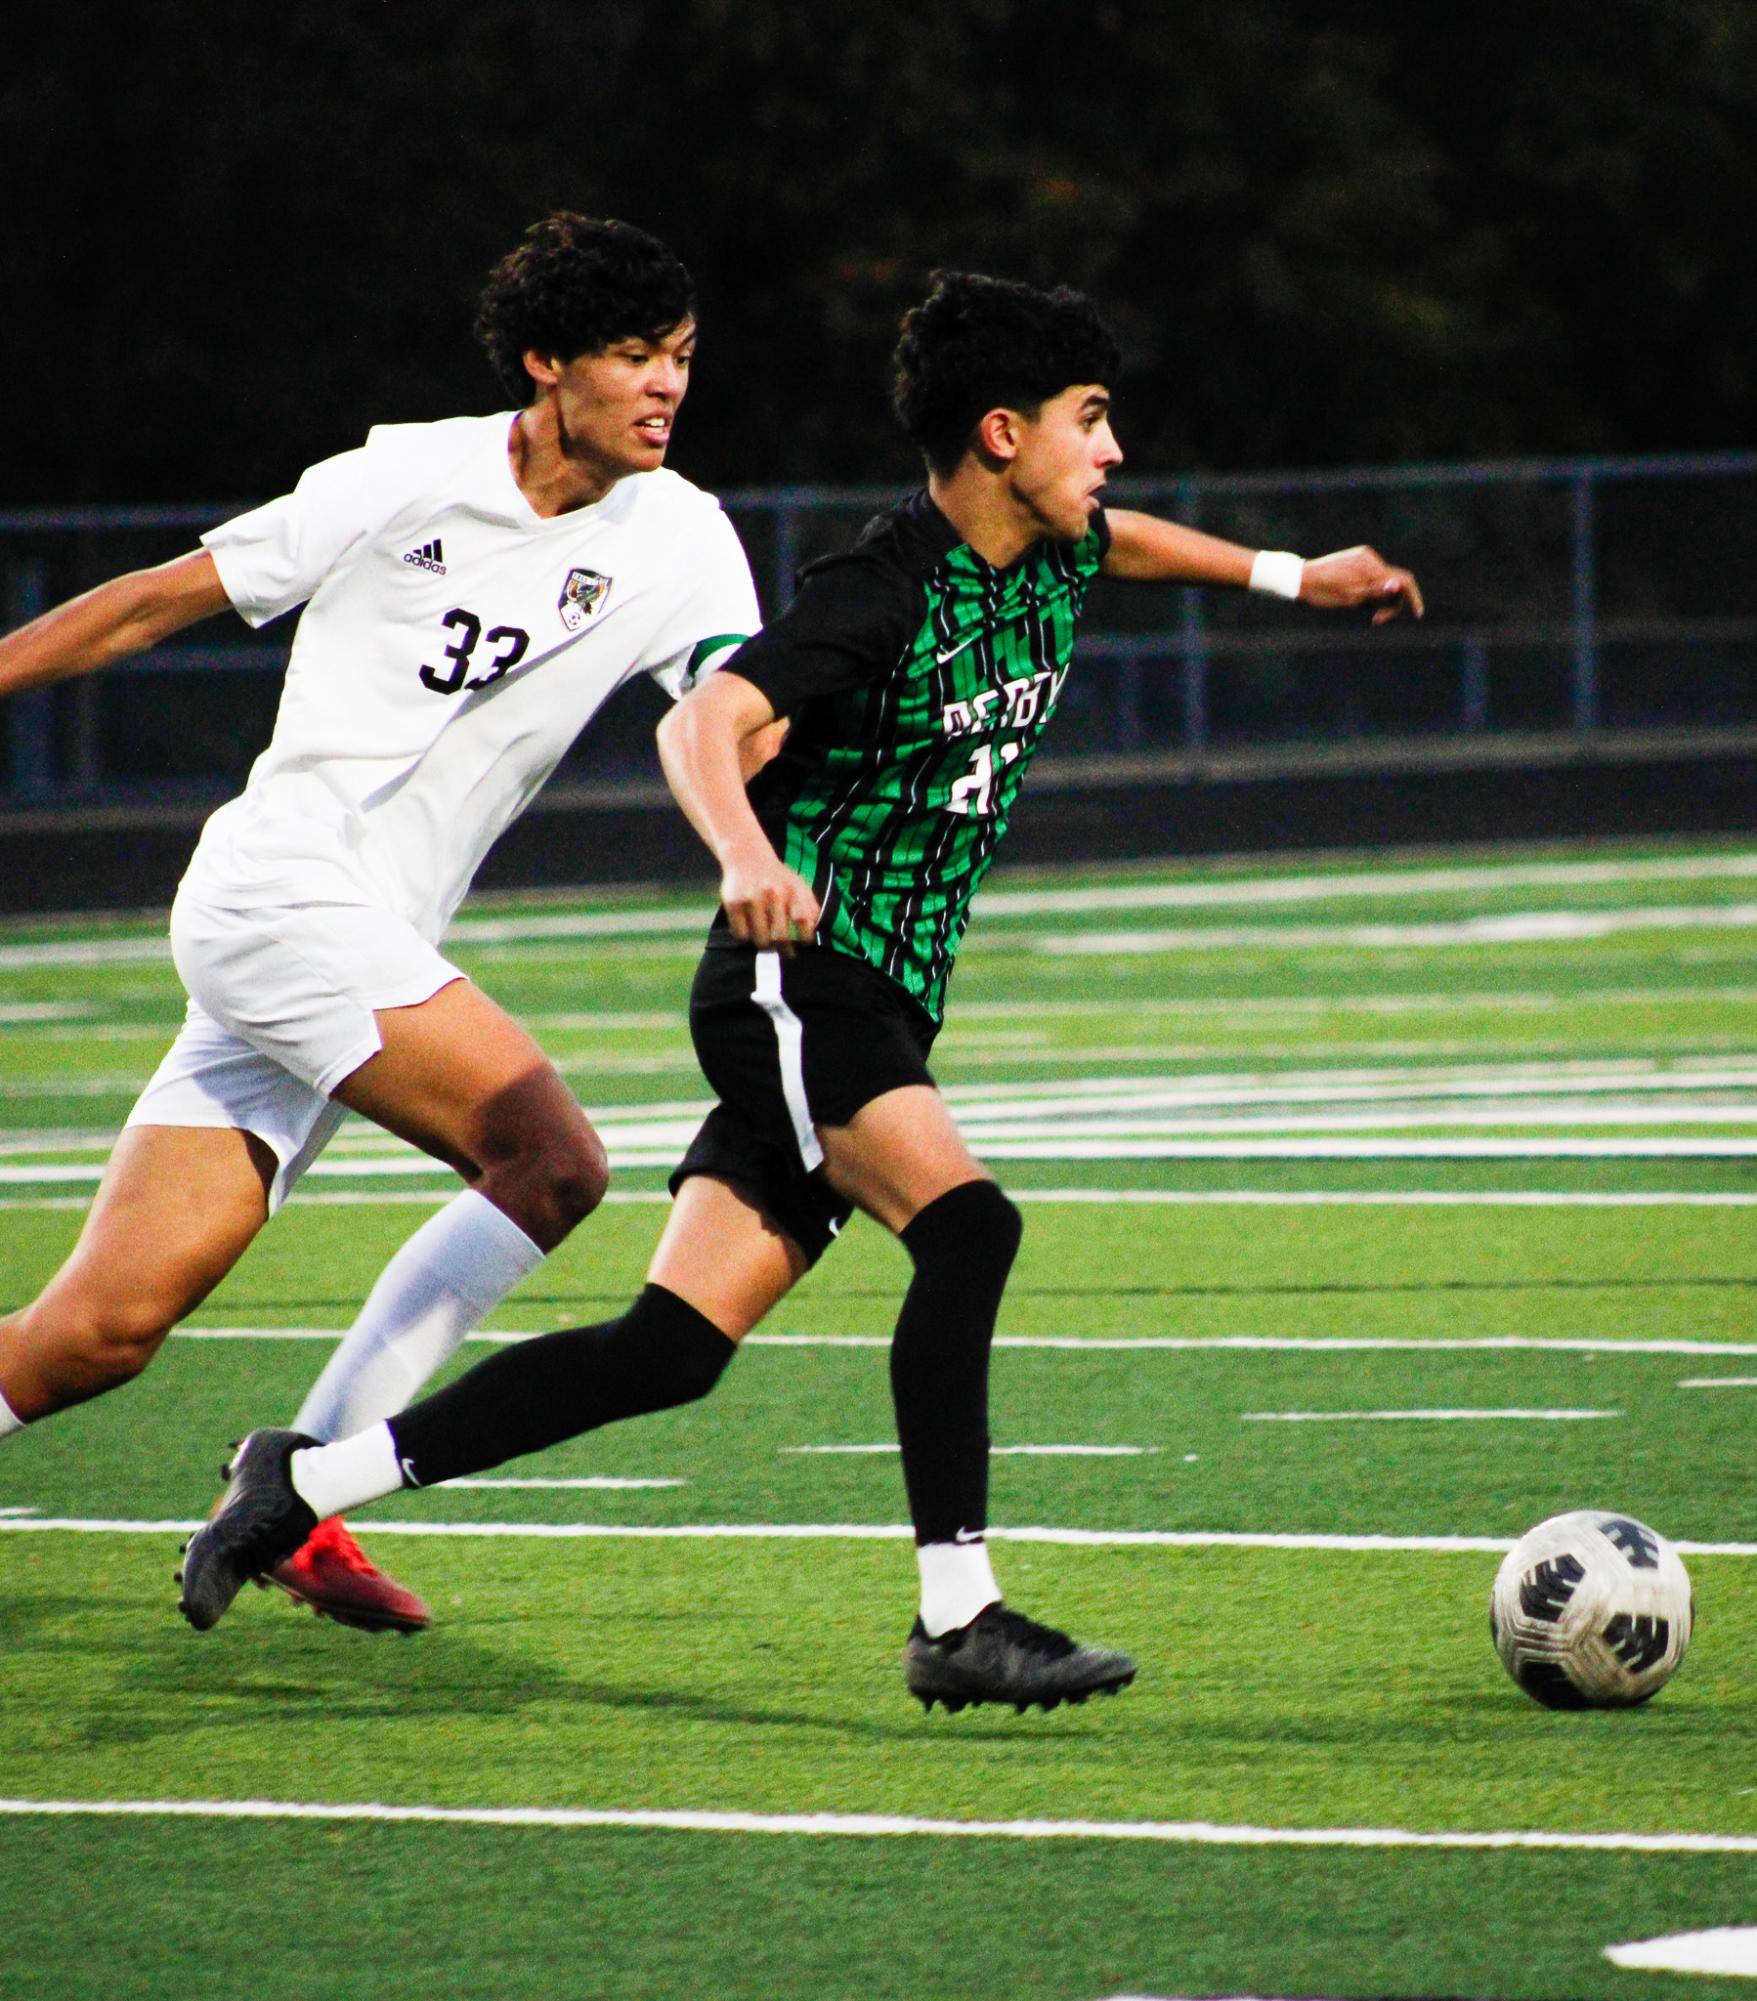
118	618
705	745
1146	549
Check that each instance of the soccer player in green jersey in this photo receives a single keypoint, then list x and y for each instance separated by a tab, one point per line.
913	676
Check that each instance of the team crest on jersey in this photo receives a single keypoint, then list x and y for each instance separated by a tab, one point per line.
581	595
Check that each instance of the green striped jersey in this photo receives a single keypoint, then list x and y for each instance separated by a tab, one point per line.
918	679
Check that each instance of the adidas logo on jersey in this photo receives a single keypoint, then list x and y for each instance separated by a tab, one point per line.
430	556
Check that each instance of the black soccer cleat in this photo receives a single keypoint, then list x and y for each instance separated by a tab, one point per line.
260	1520
1002	1656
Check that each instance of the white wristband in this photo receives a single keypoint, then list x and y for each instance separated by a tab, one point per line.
1277	573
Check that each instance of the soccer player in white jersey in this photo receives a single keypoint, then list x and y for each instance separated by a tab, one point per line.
474	591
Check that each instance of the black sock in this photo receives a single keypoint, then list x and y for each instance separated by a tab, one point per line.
963	1247
661	1352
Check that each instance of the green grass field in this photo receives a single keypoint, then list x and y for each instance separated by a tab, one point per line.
1374	1210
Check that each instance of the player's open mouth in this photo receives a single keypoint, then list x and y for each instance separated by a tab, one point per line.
656	430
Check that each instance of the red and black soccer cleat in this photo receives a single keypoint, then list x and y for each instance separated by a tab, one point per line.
332	1574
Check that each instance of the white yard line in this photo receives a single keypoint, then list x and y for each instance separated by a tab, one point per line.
1376	882
1369	1545
1366	1149
997	1451
74	1087
1238	1057
1449	1002
597	1021
1686	1073
594	1484
1123	1146
1274	1198
1266	1050
401	1166
692	919
1460	1416
606	1063
1719	1383
86	952
866	1826
1513	1198
1005	1123
1724	1949
1280	1344
642	952
1514	927
1343	1084
1011	1013
1013	1100
1515	1082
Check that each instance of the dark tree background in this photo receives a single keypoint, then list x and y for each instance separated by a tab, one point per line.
235	234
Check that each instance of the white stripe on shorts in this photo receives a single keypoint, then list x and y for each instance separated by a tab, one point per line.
790	1040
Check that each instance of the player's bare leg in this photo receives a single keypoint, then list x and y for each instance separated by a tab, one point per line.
898	1154
176	1209
902	1159
723	1254
459	1078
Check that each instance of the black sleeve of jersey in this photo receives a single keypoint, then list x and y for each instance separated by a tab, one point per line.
849	624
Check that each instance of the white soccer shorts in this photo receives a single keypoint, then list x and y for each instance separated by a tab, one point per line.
280	1012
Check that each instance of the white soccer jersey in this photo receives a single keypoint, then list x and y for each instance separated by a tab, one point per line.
453	644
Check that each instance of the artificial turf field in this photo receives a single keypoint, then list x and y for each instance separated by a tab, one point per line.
1374	1209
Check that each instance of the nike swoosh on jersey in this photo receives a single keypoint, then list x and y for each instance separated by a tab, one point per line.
942	655
952	652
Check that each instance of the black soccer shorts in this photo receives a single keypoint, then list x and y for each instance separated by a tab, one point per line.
790	1045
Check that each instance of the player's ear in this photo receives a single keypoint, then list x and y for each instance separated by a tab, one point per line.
997	435
543	369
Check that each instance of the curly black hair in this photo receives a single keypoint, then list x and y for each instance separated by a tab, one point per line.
574	285
977	344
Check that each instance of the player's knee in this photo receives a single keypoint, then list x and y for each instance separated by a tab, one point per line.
129	1340
679	1351
1004	1225
687	1378
578	1180
100	1348
552	1191
972	1229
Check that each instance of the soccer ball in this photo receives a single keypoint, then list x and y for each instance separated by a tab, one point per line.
1591	1611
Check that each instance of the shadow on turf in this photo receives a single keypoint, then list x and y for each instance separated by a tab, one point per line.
298	1669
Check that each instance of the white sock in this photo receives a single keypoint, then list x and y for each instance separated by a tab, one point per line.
332	1479
957	1580
444	1281
10	1421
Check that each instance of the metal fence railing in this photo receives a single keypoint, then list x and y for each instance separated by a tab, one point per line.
1575	596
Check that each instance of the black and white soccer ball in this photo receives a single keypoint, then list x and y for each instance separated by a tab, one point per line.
1591	1611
